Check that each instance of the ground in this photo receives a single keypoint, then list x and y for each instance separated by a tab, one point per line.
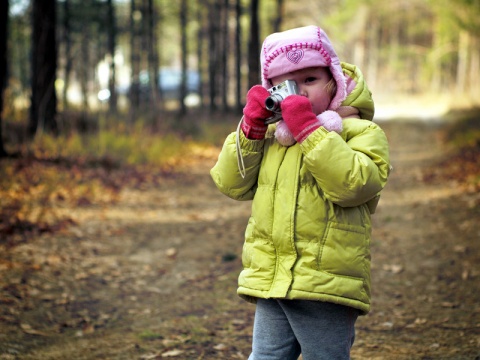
153	275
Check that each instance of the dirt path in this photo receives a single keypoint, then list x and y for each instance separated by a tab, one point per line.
155	275
425	256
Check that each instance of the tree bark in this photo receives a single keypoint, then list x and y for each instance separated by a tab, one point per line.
225	52
461	76
200	53
43	106
153	64
373	56
254	46
183	32
68	56
4	5
277	21
134	94
239	53
213	52
112	36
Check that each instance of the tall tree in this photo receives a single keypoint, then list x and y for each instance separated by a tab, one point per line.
134	94
213	51
239	53
3	64
43	107
200	40
224	54
84	70
278	19
68	47
153	63
254	45
184	54
112	39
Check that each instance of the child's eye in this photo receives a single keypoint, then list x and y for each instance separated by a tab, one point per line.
310	79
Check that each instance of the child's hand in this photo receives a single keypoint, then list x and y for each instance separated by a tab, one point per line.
299	117
301	121
255	113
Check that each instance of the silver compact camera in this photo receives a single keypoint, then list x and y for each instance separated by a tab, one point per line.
277	94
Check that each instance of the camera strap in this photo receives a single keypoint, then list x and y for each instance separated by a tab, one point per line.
240	163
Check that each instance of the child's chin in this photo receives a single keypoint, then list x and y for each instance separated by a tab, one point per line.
283	134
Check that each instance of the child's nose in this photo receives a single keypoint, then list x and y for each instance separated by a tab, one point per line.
302	91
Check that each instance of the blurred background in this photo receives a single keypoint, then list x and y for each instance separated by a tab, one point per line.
148	83
113	238
71	65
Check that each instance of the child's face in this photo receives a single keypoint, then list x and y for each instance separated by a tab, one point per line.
311	83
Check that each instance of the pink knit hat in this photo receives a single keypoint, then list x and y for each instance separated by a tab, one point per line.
301	48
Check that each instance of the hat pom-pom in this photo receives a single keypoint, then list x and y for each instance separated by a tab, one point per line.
331	121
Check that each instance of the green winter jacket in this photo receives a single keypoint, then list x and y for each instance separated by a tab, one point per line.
308	236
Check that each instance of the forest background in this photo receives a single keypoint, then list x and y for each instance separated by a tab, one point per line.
150	83
113	239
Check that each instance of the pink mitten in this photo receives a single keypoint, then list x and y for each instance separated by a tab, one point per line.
299	117
255	113
331	121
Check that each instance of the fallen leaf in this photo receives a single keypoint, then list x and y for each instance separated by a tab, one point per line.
150	356
171	253
27	329
418	321
88	329
238	322
172	353
448	304
220	347
393	268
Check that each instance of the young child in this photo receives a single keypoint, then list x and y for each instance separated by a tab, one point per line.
314	179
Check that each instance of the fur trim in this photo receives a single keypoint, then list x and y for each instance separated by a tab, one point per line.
331	121
283	134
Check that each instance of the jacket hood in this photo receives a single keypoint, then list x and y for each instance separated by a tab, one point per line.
358	93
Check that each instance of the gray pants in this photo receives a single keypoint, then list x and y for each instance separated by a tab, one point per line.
284	329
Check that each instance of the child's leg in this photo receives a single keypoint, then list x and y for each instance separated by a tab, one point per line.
324	330
273	338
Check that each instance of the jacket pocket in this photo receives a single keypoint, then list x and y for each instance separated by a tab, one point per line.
345	251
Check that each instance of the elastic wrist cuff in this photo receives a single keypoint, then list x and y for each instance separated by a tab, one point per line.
253	132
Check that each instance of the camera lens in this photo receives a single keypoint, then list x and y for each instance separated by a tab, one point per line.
272	103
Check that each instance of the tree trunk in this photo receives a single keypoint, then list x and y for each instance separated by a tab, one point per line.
134	95
112	36
43	106
153	65
360	24
225	51
277	21
254	46
3	65
435	60
238	50
84	73
68	56
463	46
200	53
183	32
213	52
373	56
474	66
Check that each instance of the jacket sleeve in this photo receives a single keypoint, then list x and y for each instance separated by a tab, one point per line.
226	174
351	168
